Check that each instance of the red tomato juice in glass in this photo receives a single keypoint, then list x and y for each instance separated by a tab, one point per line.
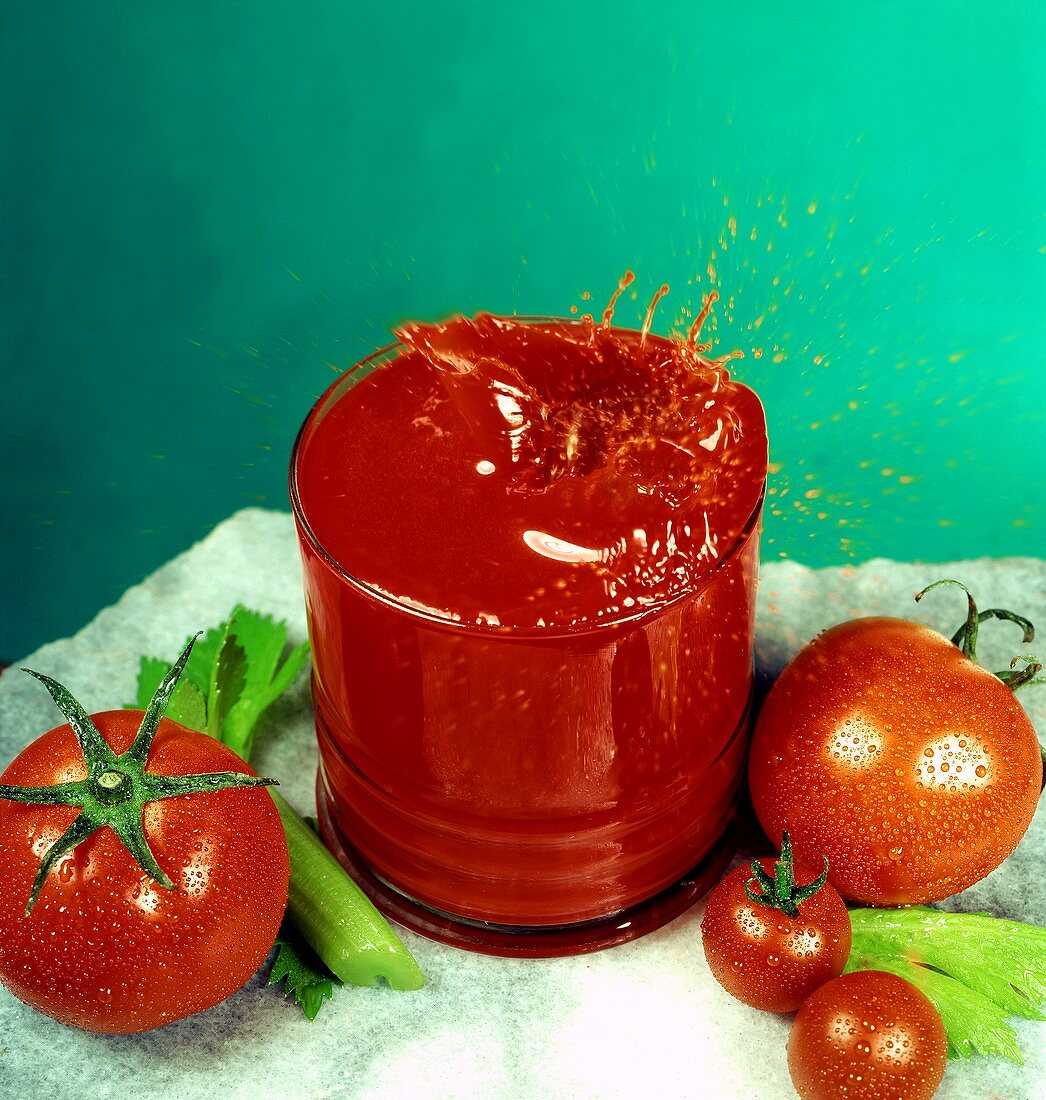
530	552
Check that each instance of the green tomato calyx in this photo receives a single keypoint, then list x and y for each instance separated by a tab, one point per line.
117	787
781	891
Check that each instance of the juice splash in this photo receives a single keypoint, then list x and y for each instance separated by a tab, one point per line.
530	555
559	473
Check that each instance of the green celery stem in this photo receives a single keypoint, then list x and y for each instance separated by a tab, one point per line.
336	917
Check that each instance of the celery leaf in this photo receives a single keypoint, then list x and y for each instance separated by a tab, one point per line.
235	672
977	969
228	683
203	658
187	706
304	976
263	641
151	671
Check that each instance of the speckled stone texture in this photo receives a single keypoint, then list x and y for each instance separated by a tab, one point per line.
644	1019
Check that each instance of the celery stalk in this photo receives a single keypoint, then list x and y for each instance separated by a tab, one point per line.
336	917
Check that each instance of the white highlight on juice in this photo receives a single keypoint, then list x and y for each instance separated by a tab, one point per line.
558	550
709	444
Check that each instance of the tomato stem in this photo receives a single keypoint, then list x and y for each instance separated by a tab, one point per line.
782	892
966	636
113	786
1015	678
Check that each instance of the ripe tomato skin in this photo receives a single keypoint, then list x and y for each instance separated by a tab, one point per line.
766	958
867	1036
107	949
882	747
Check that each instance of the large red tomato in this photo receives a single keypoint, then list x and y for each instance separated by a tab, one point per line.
105	946
883	747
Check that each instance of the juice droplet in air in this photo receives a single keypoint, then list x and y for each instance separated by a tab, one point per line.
648	320
627	280
699	321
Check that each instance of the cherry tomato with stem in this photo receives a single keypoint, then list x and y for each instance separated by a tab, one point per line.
770	941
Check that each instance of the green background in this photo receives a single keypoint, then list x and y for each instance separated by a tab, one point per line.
208	206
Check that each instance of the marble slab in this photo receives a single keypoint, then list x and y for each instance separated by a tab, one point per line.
643	1019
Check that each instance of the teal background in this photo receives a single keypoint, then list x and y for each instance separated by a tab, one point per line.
208	207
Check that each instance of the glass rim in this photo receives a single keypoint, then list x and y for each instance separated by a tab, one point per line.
432	619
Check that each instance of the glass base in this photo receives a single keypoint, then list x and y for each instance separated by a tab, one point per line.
528	942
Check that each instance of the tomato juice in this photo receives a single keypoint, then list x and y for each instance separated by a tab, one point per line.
530	552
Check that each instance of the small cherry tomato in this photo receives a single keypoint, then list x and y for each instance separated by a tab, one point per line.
869	1035
884	747
771	942
143	872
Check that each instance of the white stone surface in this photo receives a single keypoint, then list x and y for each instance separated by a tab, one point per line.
642	1020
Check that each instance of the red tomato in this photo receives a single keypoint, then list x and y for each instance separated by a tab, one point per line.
884	748
765	957
867	1036
106	947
